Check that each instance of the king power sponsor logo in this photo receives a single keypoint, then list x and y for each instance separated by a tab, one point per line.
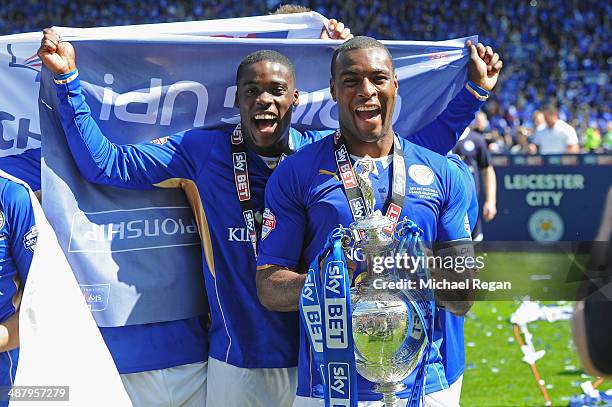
132	229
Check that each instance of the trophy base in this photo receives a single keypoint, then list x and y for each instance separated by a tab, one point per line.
388	391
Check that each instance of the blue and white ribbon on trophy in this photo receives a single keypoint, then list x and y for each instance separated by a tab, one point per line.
326	313
410	243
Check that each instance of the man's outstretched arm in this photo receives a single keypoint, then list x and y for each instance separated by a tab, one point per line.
99	160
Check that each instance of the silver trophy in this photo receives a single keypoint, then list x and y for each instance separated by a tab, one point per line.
387	331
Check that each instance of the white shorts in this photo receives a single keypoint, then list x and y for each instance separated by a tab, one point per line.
179	386
446	398
443	398
232	386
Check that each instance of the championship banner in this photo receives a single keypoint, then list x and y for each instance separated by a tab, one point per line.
123	244
59	341
19	124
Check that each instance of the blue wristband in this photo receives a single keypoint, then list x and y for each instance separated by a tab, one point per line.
63	76
482	92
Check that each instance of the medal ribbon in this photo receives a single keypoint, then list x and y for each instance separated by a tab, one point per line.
243	184
353	191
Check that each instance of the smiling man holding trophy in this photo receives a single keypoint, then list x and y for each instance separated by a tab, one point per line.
361	342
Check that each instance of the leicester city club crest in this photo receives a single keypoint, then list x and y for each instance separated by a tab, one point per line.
545	225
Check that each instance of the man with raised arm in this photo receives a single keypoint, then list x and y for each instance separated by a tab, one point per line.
223	173
253	351
306	197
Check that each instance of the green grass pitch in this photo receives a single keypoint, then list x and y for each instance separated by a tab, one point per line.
495	375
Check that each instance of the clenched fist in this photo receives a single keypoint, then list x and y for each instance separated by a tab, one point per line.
484	66
336	31
55	54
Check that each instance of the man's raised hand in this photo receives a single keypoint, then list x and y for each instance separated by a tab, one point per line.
484	66
336	31
55	54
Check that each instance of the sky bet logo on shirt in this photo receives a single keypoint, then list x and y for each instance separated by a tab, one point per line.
268	224
30	239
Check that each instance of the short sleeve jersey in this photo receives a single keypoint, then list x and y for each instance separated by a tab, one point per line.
305	201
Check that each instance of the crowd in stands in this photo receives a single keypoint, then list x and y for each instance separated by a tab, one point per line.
554	51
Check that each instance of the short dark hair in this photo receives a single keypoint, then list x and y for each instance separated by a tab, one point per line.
291	9
359	42
265	55
551	107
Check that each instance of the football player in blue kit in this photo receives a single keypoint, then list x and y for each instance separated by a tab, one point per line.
18	236
229	166
305	199
453	345
166	363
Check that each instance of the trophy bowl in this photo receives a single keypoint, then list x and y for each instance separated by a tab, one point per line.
388	338
387	330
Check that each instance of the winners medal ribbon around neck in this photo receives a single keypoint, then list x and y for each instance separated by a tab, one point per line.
243	184
354	192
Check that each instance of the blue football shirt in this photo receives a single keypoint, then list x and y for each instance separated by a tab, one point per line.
199	161
306	200
18	235
242	329
25	166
